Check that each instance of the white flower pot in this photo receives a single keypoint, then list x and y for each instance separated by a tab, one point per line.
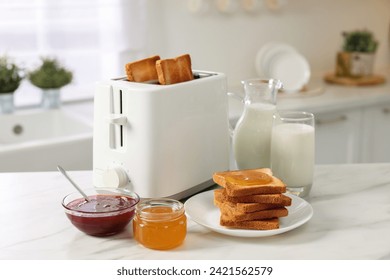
354	64
6	103
51	98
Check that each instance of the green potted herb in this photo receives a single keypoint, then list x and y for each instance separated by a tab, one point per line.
10	78
50	76
357	56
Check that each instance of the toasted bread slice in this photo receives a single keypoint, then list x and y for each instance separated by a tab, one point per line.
259	215
255	225
142	70
262	174
247	207
174	70
243	207
280	199
249	181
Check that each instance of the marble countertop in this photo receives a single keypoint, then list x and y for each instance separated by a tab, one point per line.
351	221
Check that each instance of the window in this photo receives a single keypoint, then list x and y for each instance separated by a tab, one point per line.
93	38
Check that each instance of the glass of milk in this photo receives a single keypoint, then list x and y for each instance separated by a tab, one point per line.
292	150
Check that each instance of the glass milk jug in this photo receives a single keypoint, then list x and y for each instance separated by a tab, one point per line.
252	134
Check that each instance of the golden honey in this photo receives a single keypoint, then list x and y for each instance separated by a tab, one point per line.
249	178
160	224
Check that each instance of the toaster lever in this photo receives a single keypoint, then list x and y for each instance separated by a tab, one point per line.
117	119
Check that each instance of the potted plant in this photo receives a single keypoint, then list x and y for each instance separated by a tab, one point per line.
10	78
50	76
357	58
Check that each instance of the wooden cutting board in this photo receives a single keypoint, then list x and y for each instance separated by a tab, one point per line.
363	81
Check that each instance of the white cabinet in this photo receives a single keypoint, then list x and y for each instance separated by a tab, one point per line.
354	136
376	134
338	137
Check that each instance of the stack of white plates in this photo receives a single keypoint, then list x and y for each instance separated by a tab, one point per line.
283	62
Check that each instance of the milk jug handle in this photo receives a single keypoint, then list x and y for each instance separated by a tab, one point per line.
241	99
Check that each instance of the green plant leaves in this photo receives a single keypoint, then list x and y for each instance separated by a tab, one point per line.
10	75
359	41
50	74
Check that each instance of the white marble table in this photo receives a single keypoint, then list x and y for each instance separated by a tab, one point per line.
351	221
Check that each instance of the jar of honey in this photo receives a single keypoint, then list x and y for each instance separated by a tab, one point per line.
160	223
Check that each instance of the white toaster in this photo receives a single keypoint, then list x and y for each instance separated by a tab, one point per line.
160	140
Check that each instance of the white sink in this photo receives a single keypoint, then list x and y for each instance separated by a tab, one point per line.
40	140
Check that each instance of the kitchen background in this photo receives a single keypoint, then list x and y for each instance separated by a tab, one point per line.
228	42
96	38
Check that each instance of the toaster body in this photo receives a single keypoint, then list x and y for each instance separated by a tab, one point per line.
160	140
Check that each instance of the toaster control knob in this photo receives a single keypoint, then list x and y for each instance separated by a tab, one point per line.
115	178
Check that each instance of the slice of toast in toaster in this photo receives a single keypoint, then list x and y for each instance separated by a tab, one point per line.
267	224
142	70
174	70
249	182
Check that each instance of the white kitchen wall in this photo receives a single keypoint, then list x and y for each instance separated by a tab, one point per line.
229	42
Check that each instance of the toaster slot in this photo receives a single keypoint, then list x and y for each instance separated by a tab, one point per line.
121	112
200	75
116	128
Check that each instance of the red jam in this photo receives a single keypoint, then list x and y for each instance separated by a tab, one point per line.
102	215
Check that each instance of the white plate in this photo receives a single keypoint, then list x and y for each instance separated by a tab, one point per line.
274	49
265	54
201	209
292	69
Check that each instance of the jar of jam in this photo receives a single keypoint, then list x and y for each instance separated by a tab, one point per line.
160	223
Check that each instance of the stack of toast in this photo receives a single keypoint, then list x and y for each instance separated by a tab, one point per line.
165	71
250	199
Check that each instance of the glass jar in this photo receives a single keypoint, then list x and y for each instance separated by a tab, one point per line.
160	223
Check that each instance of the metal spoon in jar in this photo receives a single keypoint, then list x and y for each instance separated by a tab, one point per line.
73	183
